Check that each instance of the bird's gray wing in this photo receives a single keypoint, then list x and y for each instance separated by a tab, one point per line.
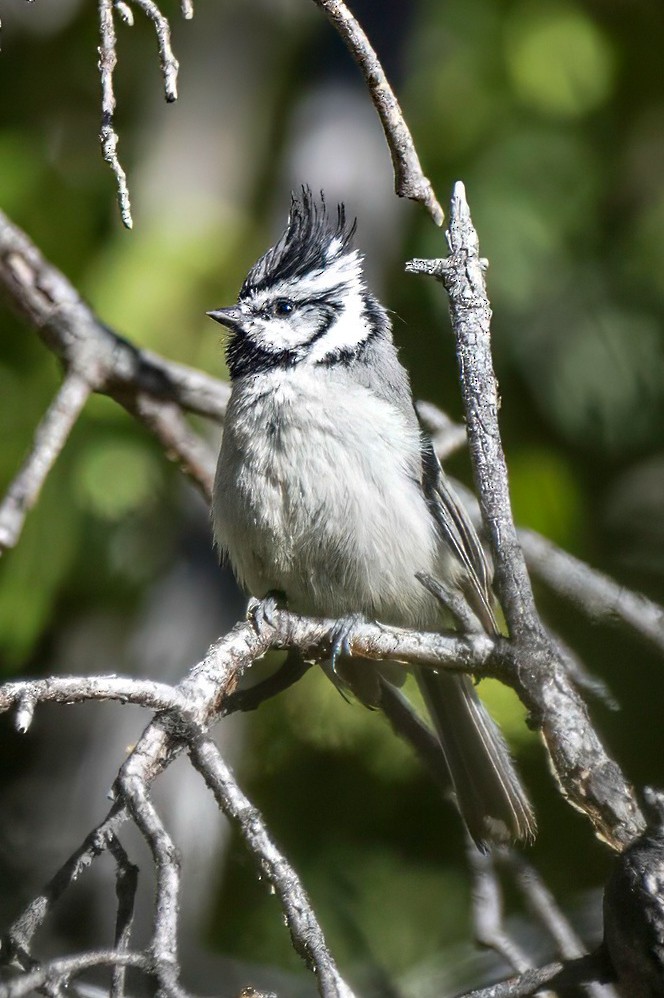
458	533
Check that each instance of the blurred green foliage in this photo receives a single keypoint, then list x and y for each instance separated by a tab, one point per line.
553	114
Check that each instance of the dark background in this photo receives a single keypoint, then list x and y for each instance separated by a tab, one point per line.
553	115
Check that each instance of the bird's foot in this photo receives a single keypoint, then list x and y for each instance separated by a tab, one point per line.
261	611
340	637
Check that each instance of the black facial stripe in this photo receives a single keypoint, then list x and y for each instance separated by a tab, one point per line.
244	356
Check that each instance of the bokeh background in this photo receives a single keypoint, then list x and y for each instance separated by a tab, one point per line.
552	112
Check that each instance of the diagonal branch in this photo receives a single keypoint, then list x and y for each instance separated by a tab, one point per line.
169	64
50	437
409	179
305	932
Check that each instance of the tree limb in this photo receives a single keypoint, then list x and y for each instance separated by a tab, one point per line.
409	179
589	779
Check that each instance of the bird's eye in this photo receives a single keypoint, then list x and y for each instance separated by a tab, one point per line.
282	306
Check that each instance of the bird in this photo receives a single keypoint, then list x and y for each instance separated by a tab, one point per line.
328	491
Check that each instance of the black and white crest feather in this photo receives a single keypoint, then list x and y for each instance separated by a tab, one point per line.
310	241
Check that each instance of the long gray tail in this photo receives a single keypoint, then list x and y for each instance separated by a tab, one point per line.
489	794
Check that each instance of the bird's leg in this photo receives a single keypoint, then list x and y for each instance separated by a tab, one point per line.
340	637
261	611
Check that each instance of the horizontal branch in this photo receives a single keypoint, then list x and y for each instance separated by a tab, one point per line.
26	694
55	973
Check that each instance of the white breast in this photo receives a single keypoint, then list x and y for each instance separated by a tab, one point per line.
317	496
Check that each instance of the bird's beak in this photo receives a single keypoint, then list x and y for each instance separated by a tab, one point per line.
231	317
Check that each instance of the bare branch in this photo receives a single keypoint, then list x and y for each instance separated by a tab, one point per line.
80	689
107	135
125	12
488	909
50	437
187	9
126	881
71	330
446	435
57	972
555	975
164	946
166	422
169	64
305	932
595	593
590	780
409	179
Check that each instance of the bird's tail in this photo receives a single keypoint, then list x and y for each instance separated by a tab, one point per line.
488	790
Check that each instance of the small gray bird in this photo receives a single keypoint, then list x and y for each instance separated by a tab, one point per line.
329	492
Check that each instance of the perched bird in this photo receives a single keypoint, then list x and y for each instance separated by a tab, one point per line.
328	490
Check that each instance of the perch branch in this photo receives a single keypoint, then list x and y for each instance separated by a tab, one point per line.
409	179
50	437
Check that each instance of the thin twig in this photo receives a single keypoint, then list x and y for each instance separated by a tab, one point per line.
187	9
126	881
50	437
446	435
59	971
555	975
305	932
80	689
164	946
543	906
409	179
169	64
107	135
167	423
593	592
487	900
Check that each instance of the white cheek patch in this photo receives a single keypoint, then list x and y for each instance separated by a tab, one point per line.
349	329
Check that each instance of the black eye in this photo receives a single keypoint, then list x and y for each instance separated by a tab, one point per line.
282	306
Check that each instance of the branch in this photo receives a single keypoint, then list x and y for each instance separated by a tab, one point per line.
409	179
57	972
50	437
169	64
305	932
126	882
107	135
590	780
586	969
26	694
595	593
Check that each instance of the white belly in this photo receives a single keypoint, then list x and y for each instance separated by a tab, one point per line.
314	498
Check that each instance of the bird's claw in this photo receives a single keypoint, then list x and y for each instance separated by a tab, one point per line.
261	611
340	638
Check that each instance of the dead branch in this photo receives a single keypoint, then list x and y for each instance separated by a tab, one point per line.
50	437
590	780
409	179
306	934
107	135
